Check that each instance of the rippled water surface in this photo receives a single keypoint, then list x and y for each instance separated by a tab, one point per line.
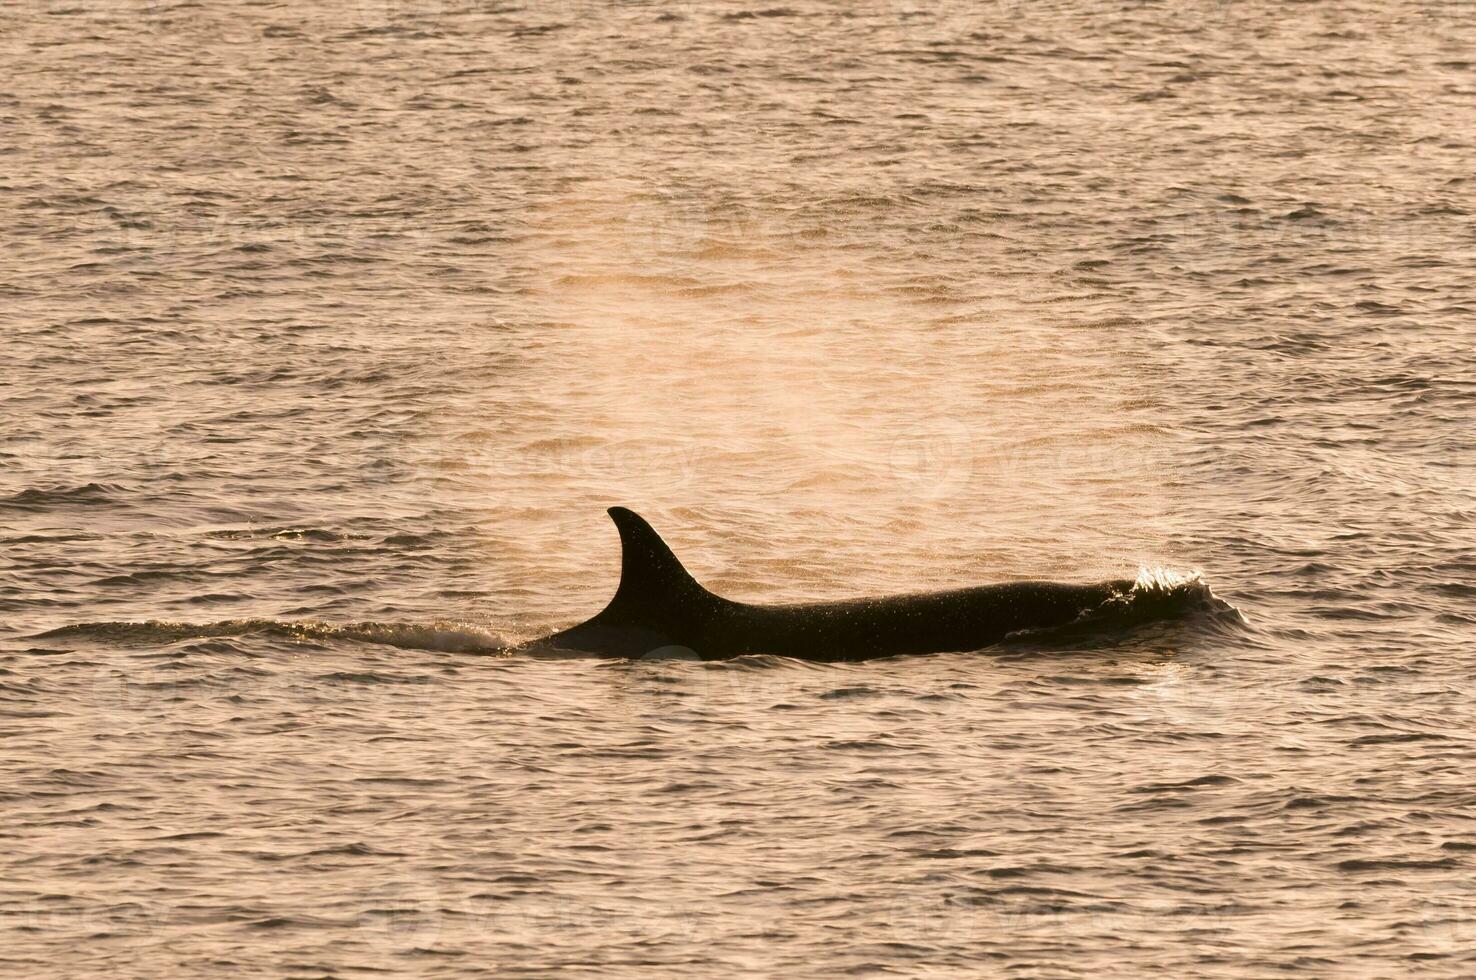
330	329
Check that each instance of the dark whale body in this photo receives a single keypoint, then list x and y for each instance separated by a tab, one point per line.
660	610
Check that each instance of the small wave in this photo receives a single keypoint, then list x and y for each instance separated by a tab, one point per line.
287	533
444	638
438	637
87	495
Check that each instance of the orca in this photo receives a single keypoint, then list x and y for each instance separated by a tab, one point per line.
659	611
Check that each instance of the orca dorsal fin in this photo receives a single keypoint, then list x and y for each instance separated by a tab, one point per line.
652	580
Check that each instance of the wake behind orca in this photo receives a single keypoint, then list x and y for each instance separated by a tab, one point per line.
659	608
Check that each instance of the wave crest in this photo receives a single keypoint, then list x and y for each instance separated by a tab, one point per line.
45	498
438	637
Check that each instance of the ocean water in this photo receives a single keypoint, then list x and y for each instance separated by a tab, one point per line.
330	329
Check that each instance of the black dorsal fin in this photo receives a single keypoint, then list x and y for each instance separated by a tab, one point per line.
653	583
